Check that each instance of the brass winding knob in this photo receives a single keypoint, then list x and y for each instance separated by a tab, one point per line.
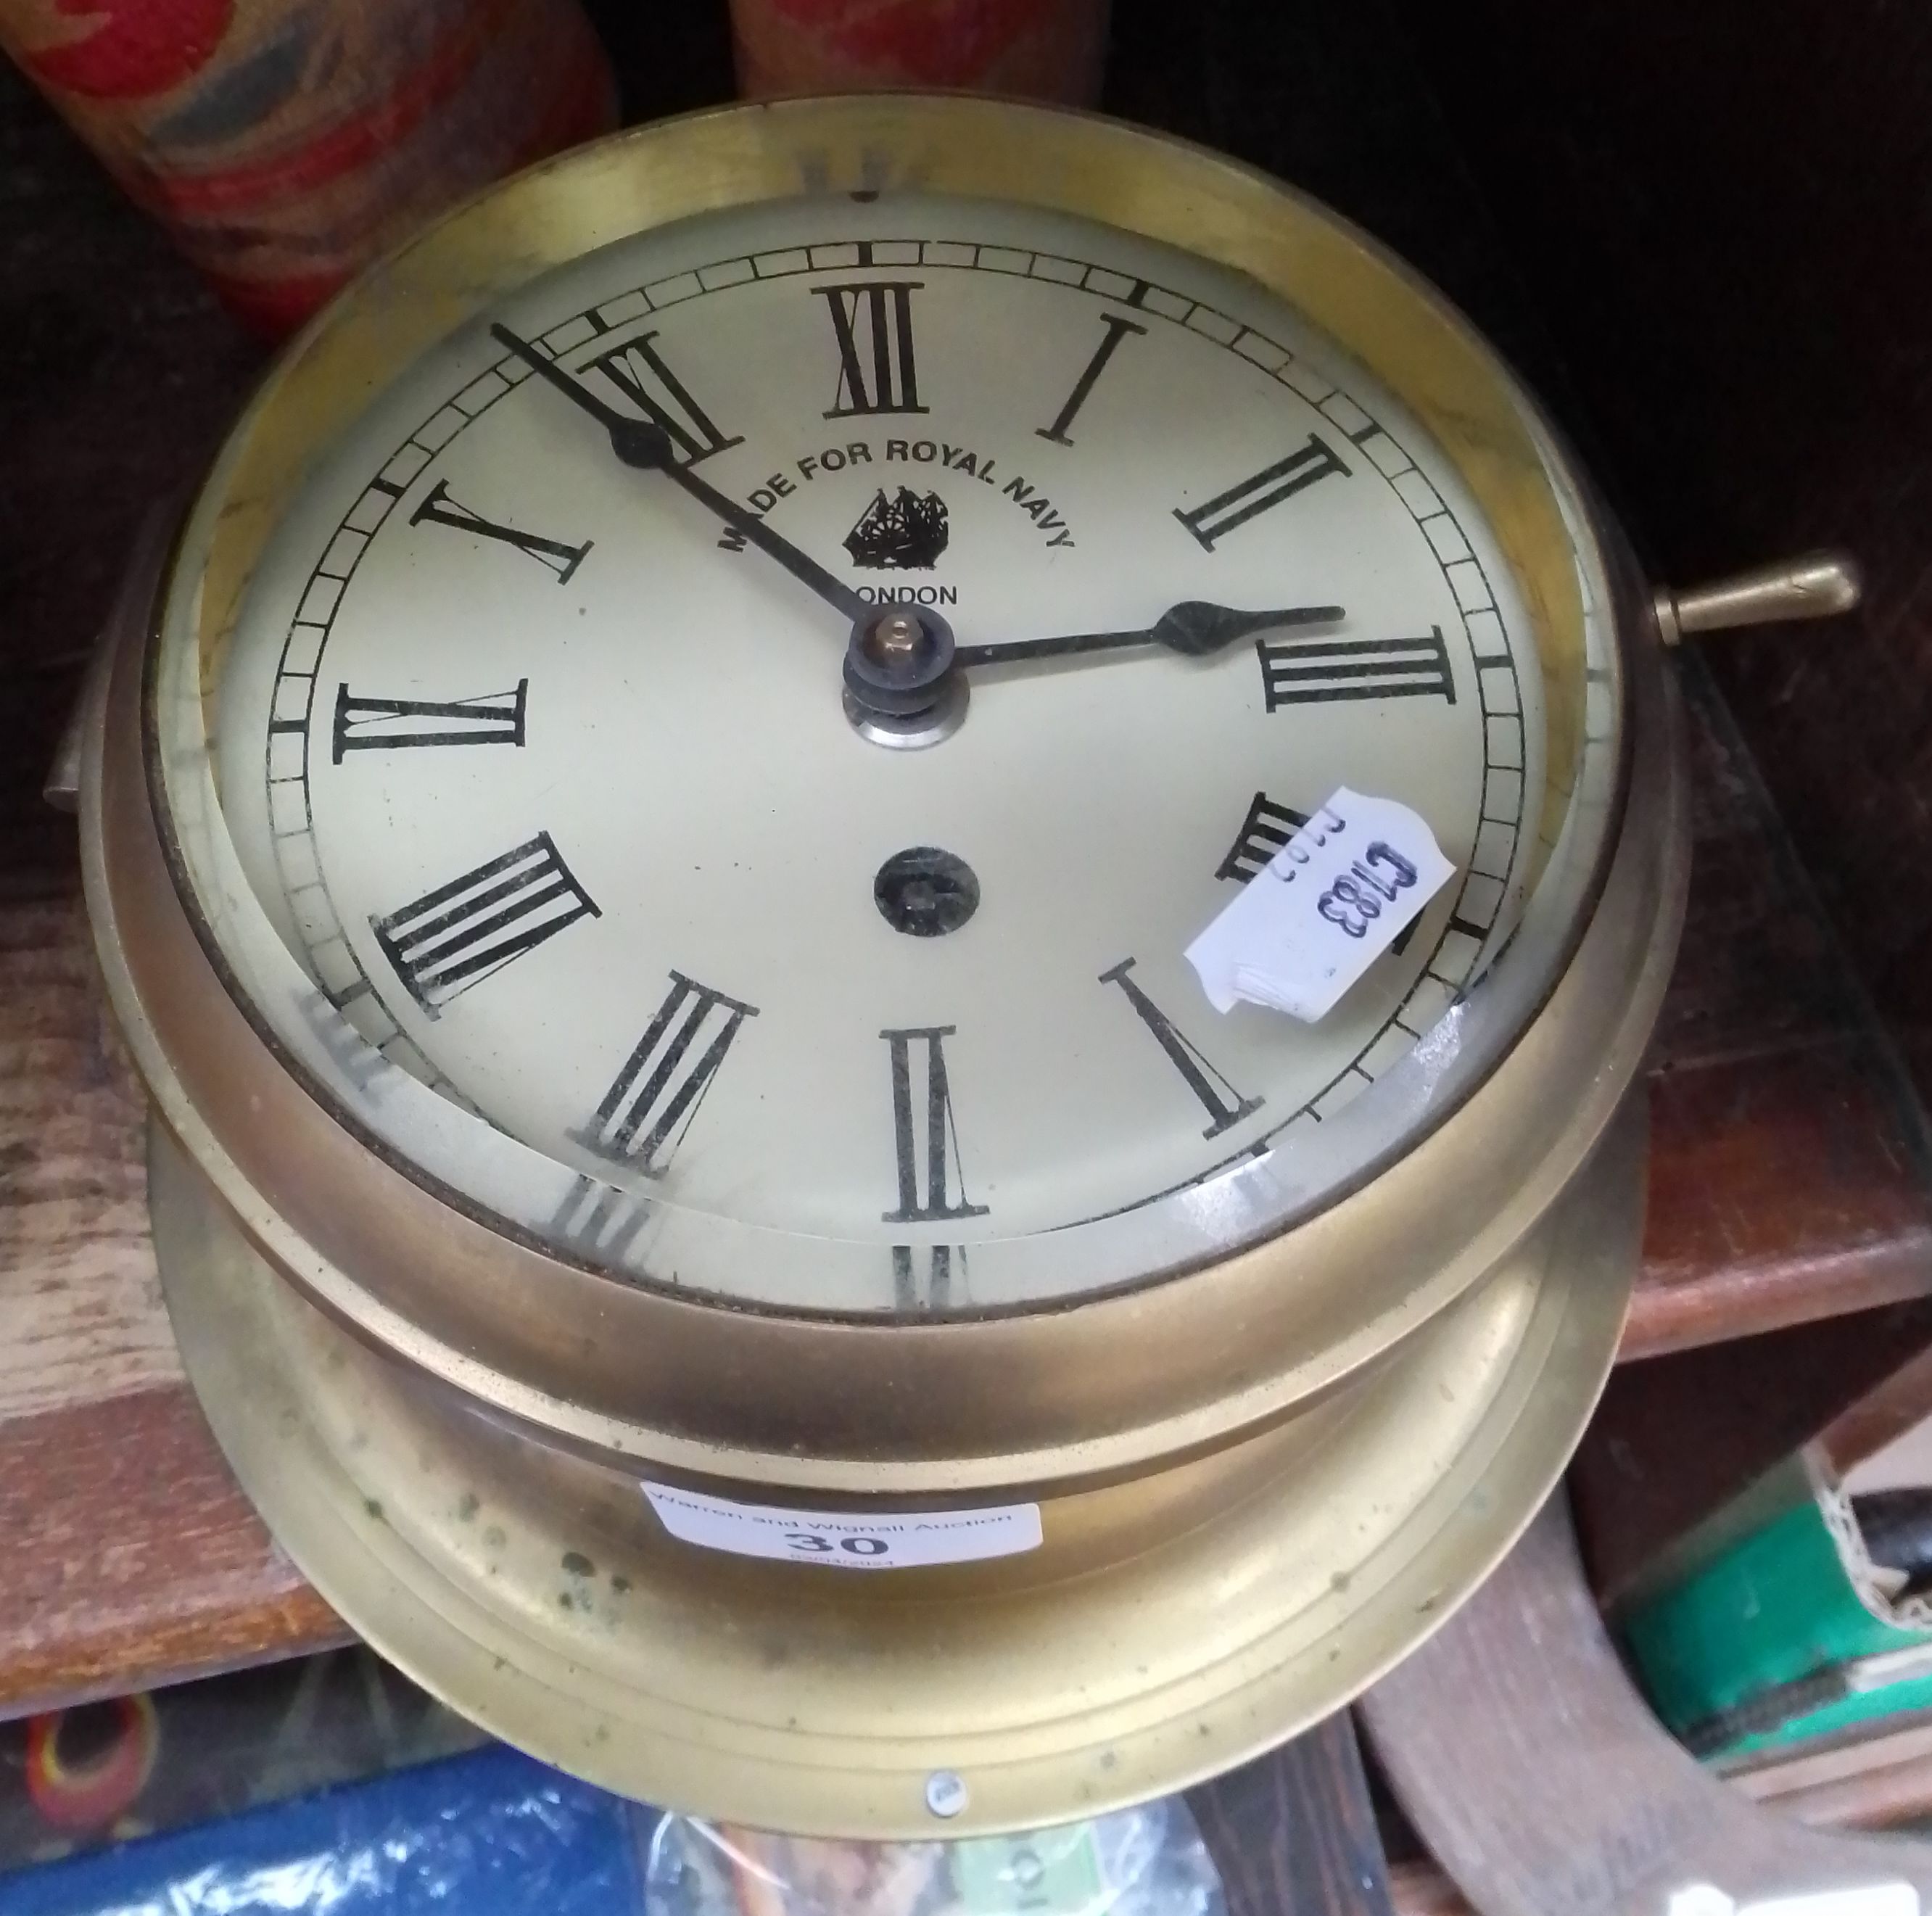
1815	585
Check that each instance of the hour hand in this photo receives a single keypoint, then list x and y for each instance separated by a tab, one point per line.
1194	629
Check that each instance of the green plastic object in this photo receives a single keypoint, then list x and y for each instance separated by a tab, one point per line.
1779	1631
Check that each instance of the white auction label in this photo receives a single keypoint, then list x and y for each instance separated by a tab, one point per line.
843	1539
1313	919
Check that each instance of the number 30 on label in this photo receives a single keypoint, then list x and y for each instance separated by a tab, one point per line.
815	1543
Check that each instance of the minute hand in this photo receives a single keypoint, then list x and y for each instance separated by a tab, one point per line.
1194	628
645	444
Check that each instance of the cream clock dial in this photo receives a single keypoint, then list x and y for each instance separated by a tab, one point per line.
554	777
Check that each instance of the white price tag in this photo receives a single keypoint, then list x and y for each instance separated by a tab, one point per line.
1320	911
841	1540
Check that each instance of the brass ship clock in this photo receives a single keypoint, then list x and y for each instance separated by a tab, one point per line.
645	853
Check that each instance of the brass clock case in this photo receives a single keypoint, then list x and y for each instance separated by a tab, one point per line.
1169	1627
1203	1445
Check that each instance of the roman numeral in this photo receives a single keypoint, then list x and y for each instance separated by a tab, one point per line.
923	1279
1269	487
1224	1105
1117	328
1268	827
638	371
922	1200
1311	671
597	1221
368	724
873	325
650	1105
455	937
440	509
923	1274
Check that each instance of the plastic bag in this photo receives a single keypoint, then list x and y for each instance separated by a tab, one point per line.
495	1833
1149	1861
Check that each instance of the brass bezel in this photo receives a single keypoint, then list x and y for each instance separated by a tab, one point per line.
1076	1396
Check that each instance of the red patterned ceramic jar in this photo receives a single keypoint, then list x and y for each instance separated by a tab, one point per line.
285	143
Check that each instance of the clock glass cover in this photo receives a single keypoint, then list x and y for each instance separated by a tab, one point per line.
528	803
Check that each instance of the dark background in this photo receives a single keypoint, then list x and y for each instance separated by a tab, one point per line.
1704	233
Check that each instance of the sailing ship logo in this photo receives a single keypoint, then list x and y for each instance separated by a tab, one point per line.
906	533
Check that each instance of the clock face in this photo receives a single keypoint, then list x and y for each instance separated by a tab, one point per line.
620	918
